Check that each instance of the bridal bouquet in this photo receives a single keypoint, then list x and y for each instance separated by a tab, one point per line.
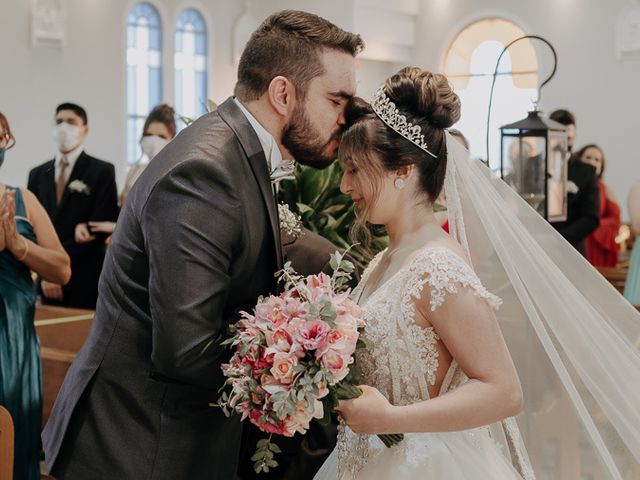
292	357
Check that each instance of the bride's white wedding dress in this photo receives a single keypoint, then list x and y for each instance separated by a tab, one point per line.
401	360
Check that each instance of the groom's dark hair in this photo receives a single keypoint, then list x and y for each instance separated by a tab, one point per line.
289	43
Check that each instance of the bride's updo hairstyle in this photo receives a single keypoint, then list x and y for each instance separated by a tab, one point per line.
426	99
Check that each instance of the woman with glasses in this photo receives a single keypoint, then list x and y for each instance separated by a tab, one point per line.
28	242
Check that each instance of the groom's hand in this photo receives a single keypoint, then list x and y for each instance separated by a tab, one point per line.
370	413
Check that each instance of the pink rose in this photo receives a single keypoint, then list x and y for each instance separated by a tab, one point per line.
311	334
336	363
283	365
300	417
347	307
279	341
318	285
347	325
336	340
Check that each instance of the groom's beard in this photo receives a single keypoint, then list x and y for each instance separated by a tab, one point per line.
302	140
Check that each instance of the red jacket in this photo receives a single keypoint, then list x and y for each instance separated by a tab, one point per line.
602	249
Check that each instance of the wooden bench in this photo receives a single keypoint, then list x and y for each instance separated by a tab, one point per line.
6	444
617	275
62	332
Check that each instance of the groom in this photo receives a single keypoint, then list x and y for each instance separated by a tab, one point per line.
197	241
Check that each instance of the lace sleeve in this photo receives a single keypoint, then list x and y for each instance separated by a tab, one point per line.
443	271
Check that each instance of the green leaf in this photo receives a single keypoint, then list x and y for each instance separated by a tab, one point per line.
274	448
262	443
257	456
211	106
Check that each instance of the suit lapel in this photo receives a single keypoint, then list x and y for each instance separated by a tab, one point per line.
48	180
79	169
248	138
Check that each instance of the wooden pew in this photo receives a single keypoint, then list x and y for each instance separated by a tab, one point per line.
6	444
62	332
617	275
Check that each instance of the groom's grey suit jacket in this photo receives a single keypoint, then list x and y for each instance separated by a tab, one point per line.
197	240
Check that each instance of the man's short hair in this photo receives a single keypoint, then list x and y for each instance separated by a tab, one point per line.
289	43
77	109
565	117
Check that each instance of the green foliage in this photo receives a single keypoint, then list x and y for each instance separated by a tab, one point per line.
315	196
263	458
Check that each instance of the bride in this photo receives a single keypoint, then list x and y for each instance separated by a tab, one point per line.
459	325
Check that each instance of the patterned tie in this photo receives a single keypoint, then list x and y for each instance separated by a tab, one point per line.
61	181
284	171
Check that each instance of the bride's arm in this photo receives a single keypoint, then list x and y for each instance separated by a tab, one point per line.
467	326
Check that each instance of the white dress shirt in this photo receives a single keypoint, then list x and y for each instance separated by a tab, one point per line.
269	146
71	157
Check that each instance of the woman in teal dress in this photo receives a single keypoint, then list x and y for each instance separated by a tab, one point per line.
28	242
632	285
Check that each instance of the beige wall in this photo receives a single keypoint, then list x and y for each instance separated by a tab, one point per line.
89	70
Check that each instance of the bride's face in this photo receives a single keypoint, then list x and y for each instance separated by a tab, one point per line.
371	190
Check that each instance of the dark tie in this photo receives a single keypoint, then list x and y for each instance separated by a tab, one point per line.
61	181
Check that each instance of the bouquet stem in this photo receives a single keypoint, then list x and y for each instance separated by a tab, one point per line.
348	391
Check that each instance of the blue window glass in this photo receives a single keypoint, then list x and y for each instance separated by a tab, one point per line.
190	65
144	71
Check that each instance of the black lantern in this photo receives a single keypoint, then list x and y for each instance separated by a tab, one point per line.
534	163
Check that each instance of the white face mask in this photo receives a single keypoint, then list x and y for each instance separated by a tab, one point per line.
152	144
67	136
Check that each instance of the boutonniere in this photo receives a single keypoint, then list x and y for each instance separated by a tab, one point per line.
80	187
572	187
289	221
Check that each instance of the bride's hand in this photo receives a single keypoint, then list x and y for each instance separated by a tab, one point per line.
370	413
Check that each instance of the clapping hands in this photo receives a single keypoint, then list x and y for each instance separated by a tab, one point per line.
9	236
3	243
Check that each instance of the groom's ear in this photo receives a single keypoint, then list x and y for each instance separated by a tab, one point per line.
282	95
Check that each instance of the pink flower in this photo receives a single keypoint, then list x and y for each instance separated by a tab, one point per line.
300	417
318	285
347	325
323	390
338	341
255	416
283	365
336	363
279	341
311	334
351	310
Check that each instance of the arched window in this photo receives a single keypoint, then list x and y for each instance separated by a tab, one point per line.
144	71
190	64
469	64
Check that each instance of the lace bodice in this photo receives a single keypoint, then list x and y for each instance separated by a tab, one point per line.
401	358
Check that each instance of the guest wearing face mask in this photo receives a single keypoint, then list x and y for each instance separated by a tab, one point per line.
75	189
159	128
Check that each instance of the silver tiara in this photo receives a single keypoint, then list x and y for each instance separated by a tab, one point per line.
387	111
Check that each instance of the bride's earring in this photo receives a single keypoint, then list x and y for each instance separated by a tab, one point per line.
399	183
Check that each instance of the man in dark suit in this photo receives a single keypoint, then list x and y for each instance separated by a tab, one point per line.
76	188
197	241
583	195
